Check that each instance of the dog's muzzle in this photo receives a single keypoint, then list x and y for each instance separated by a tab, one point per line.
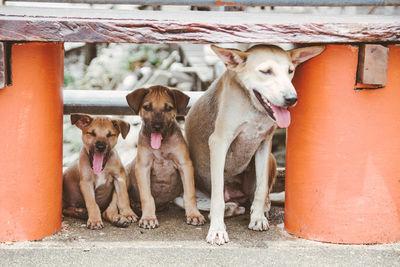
100	146
280	115
290	101
156	127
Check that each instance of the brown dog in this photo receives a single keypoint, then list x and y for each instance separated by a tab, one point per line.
98	181
162	164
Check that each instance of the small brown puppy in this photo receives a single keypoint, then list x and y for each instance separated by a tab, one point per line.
98	181
162	164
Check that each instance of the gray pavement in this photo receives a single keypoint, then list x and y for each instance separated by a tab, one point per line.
176	243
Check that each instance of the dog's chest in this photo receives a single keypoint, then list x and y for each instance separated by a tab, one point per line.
165	179
163	161
103	189
102	179
254	131
250	135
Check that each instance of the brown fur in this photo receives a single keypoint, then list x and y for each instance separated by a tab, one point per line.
158	176
86	194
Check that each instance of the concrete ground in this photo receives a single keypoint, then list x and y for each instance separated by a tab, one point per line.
176	243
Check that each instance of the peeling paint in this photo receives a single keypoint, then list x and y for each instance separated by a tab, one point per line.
223	3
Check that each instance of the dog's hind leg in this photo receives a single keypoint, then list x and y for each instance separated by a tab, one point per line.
80	213
204	204
233	209
271	181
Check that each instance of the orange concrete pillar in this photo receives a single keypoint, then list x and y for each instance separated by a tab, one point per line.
343	152
31	143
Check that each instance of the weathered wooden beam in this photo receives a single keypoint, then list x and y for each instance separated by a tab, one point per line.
232	2
3	67
90	25
372	64
5	77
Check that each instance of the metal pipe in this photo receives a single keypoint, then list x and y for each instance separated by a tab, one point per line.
104	102
232	2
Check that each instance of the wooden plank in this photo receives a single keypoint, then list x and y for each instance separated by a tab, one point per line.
90	25
233	3
372	64
5	77
3	67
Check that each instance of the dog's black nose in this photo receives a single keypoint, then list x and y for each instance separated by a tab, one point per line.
100	146
156	127
290	101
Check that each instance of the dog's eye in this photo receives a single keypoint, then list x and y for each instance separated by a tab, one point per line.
167	108
266	72
92	134
147	107
110	135
290	71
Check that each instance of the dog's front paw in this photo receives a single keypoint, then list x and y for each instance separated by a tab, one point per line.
217	236
132	218
94	224
195	219
120	221
148	222
259	223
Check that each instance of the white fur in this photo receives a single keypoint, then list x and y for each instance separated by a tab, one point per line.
268	70
101	179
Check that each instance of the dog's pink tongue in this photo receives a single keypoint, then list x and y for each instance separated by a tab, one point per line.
282	116
155	140
97	162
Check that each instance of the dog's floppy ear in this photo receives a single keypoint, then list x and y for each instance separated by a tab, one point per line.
135	98
122	126
181	101
81	120
231	57
299	55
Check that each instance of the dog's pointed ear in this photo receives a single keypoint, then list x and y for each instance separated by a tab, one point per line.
135	99
232	58
299	55
122	126
181	101
81	120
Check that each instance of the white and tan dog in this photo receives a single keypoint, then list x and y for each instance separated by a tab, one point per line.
229	130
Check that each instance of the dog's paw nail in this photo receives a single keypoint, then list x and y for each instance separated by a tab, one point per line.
95	225
217	237
121	221
148	223
196	220
132	218
202	220
260	224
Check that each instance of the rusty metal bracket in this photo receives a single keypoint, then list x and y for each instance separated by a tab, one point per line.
5	64
372	66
